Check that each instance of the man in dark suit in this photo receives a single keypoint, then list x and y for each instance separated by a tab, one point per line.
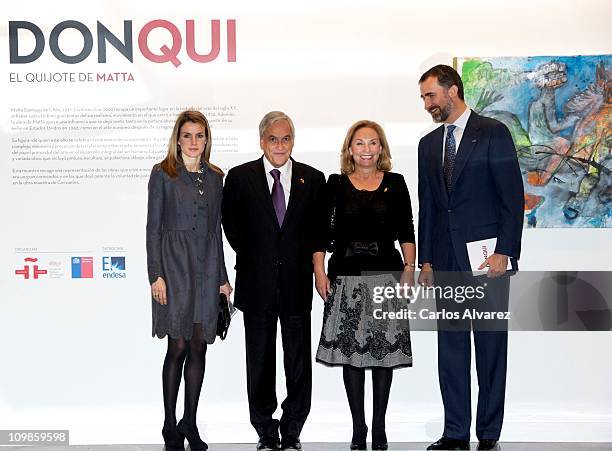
470	189
269	216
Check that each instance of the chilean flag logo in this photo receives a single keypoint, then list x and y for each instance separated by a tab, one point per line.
82	267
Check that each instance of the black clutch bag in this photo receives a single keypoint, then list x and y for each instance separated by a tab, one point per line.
225	316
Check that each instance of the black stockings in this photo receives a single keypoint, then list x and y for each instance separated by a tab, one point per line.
354	381
192	354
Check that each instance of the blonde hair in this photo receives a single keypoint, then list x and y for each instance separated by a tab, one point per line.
173	159
347	164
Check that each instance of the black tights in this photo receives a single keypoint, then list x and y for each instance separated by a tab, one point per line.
192	353
354	381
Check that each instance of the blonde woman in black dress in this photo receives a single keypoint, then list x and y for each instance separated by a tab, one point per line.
186	267
371	211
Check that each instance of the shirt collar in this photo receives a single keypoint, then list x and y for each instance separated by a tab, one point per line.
284	169
461	121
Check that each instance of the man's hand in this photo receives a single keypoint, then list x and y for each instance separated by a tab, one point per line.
497	264
426	277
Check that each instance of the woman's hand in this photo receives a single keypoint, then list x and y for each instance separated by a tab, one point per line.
407	277
226	289
158	291
322	284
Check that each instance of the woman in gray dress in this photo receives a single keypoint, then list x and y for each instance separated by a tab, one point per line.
186	267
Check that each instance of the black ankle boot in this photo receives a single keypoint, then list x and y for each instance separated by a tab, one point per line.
360	434
190	431
173	438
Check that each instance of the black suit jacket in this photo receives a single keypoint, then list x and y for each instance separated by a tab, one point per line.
273	263
486	199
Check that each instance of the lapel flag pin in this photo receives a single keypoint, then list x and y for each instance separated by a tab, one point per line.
302	181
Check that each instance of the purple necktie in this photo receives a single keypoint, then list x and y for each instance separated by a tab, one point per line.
278	196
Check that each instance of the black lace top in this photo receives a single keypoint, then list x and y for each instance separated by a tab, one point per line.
366	225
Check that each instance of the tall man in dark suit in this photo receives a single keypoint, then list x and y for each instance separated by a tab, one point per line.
470	189
269	217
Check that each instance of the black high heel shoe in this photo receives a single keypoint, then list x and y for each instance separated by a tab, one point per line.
359	439
173	439
379	438
192	435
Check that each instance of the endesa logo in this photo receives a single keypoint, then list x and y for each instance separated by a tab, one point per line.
168	52
113	268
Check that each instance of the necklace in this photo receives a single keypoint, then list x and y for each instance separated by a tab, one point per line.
198	179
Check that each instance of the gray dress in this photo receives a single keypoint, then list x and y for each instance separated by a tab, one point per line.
185	248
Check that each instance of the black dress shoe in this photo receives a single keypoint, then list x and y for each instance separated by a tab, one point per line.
446	443
380	446
487	444
190	431
174	440
361	446
290	442
268	443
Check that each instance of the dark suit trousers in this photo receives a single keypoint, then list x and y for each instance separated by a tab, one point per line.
454	363
260	334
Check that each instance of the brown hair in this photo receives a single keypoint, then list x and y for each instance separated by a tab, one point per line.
446	76
173	159
347	164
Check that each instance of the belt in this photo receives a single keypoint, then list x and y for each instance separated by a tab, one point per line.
364	248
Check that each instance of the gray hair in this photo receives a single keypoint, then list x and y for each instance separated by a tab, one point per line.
271	118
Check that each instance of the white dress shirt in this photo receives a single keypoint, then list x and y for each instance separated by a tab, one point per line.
285	177
460	125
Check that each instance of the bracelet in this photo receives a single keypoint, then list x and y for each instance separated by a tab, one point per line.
411	265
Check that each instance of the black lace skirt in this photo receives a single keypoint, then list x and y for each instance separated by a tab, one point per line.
357	331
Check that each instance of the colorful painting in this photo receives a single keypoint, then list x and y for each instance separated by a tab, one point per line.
559	111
